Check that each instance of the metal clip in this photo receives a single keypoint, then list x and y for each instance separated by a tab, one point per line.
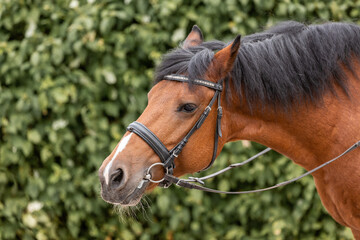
175	155
143	181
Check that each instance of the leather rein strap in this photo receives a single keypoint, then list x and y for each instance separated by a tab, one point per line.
186	182
168	157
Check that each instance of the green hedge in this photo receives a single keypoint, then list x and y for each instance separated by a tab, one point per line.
74	74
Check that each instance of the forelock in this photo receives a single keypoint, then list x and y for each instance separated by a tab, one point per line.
192	62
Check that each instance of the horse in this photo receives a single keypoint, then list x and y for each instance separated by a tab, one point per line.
294	88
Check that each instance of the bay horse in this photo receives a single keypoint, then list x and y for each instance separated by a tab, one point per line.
294	88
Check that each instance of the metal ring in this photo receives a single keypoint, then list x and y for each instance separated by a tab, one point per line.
148	175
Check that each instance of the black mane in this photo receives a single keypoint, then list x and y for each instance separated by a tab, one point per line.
288	64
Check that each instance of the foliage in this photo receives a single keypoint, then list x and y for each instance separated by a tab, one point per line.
74	74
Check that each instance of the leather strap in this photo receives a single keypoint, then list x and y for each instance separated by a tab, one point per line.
151	139
218	133
184	184
201	82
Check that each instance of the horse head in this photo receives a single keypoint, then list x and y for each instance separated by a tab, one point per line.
173	109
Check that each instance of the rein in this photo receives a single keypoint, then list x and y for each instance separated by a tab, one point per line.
186	182
167	157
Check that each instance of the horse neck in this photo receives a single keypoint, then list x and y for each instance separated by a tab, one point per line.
309	135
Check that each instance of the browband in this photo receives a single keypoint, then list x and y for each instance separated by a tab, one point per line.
201	82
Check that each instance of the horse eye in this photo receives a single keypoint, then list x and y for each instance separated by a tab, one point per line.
187	108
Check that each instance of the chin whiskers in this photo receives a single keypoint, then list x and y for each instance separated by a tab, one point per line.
136	212
144	203
124	212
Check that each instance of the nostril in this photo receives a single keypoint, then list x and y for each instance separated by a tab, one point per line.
116	178
119	176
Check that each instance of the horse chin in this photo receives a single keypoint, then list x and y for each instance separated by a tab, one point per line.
131	199
131	203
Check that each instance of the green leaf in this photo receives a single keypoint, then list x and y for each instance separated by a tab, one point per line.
109	76
35	59
57	54
34	136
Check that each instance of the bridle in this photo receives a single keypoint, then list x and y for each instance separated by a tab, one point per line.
167	157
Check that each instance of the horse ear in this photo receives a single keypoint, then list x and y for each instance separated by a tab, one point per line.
194	38
224	59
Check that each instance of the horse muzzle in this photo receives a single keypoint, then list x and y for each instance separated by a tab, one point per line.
119	189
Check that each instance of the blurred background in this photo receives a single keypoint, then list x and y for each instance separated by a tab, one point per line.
75	73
